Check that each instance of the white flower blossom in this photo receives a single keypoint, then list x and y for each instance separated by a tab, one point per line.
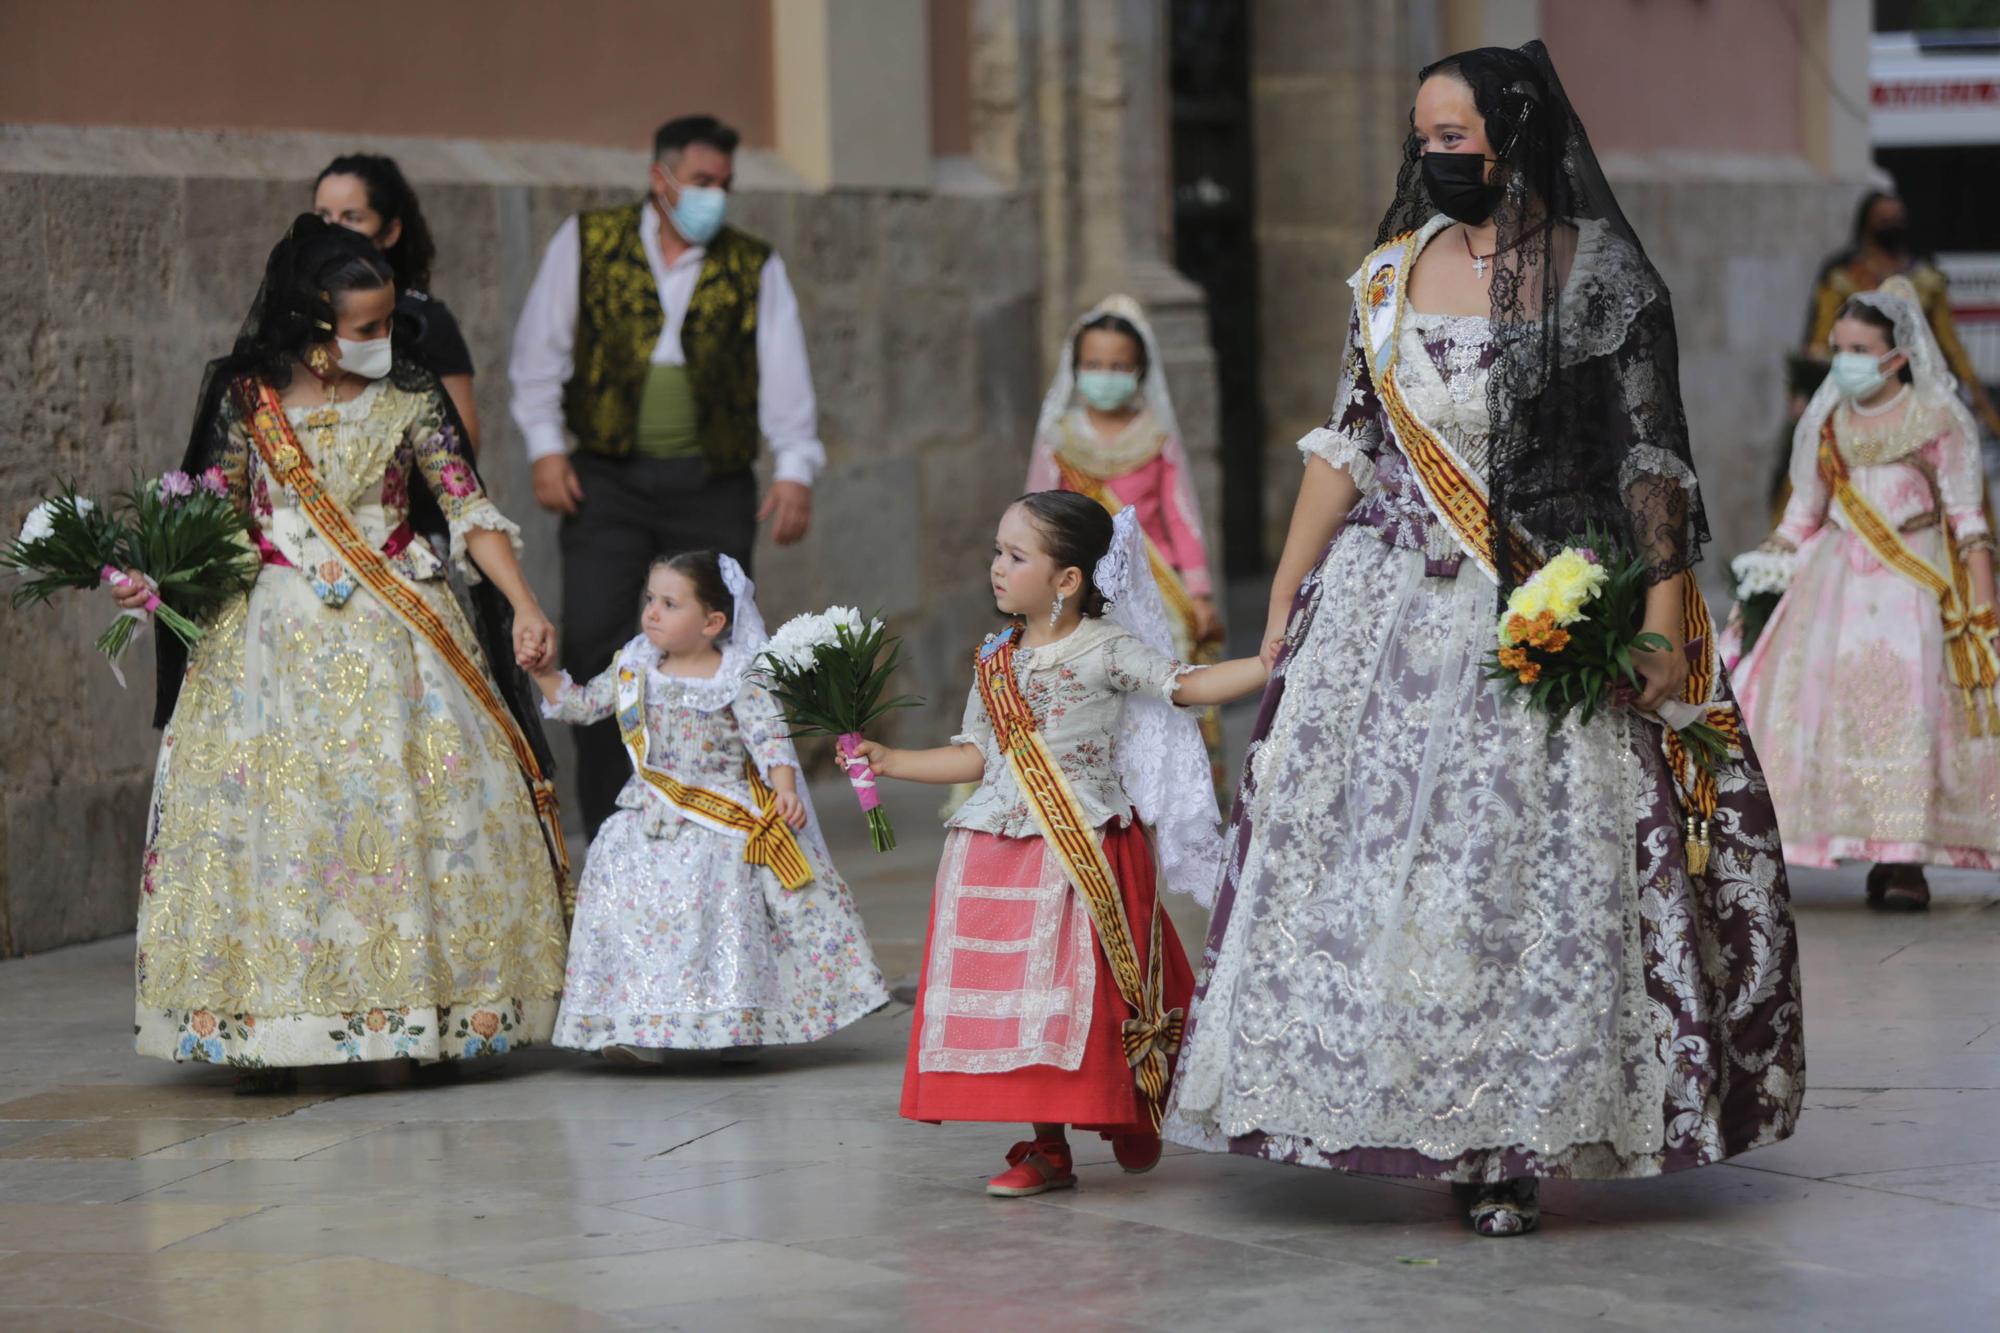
40	524
1763	571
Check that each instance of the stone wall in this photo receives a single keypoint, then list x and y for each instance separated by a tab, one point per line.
132	256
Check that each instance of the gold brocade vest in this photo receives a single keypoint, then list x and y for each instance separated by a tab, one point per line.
618	324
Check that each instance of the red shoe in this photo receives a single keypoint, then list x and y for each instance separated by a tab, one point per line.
1137	1153
1034	1168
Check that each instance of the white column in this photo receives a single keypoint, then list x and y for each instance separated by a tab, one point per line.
851	92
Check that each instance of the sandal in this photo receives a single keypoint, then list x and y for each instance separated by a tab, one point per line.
1898	888
620	1053
266	1082
1510	1208
1034	1167
1137	1153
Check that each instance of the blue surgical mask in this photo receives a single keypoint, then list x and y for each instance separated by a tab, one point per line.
698	216
1107	390
1858	374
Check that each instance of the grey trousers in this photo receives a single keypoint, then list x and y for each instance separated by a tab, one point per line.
633	510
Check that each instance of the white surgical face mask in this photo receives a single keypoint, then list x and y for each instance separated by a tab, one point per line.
370	360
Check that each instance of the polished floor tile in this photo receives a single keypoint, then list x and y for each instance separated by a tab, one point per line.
558	1192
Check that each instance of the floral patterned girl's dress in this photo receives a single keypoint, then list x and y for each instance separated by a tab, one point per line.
342	861
679	943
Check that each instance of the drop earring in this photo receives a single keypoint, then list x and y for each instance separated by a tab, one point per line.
1055	612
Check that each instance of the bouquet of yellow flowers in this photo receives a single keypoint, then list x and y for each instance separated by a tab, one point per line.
1568	635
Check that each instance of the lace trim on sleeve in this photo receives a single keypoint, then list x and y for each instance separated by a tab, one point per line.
480	516
1651	460
1344	449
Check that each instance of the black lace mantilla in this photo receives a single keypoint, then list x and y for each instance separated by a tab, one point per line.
1584	394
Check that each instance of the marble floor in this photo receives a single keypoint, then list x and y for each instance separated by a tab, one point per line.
561	1193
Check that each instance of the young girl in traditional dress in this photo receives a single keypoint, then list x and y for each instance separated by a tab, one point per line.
1870	691
1054	987
710	916
1455	942
1108	431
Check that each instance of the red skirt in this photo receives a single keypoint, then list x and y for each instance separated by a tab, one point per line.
1099	1094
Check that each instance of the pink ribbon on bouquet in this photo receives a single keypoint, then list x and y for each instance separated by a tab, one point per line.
118	578
859	775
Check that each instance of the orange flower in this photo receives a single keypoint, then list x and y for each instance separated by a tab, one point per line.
376	1020
1514	658
1531	673
1517	628
202	1021
1557	640
485	1023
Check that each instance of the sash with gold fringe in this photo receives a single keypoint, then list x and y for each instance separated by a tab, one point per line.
270	431
1153	1034
1969	655
1457	496
767	839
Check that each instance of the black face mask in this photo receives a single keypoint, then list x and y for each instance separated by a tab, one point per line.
1895	240
1456	183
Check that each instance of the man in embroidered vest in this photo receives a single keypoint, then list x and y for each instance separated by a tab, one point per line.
664	345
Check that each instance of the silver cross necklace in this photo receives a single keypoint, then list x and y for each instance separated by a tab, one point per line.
1480	263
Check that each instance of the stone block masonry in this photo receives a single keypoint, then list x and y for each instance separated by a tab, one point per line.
133	256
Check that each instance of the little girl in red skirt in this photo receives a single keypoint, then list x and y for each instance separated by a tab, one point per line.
1054	987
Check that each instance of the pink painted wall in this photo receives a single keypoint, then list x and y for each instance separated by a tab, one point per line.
1652	76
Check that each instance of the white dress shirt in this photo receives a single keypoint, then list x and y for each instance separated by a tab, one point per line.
787	413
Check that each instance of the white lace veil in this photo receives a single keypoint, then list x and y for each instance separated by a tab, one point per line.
1161	759
1933	386
1152	389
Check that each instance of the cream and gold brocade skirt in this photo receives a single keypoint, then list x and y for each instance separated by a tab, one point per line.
342	861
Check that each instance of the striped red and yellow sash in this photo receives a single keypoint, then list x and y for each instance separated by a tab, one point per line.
271	432
1969	655
767	839
1153	1034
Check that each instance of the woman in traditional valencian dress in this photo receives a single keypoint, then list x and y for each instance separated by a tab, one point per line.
352	852
1454	942
1871	689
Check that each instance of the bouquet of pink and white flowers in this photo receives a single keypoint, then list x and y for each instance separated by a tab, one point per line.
182	533
828	673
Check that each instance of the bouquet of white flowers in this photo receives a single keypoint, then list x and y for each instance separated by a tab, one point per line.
182	532
828	672
1761	578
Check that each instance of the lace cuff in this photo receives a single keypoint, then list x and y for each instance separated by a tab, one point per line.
1344	449
476	517
552	709
1649	460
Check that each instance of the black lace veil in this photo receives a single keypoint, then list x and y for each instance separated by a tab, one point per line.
1584	393
292	310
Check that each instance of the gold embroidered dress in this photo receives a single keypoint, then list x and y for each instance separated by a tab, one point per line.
342	860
